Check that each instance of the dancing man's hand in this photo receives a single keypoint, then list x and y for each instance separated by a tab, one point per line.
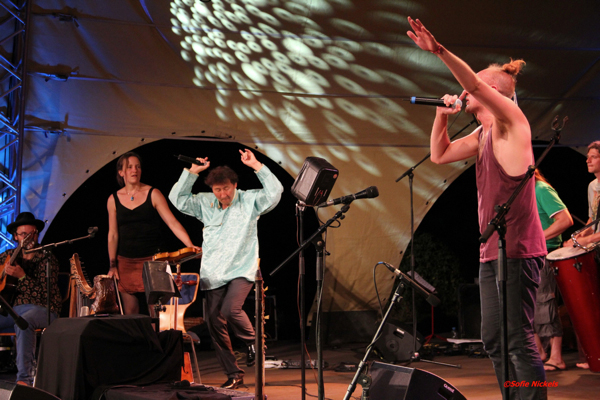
250	160
422	37
196	169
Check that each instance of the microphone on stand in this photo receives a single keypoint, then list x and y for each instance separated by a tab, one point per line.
428	101
92	231
367	193
430	297
188	159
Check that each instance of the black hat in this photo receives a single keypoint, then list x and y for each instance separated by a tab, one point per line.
25	218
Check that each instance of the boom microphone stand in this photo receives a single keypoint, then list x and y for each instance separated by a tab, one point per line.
498	224
316	238
46	250
397	297
411	175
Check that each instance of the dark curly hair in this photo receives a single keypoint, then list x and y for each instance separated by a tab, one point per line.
221	175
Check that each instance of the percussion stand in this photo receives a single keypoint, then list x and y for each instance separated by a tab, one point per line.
46	250
316	239
410	174
498	224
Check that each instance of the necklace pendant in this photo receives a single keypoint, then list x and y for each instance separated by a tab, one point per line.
131	198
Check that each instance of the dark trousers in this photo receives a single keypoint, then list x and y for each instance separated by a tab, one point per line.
224	308
525	365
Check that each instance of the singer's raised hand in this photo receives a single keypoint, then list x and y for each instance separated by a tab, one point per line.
422	37
250	160
196	169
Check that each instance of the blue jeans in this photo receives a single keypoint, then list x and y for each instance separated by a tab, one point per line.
37	318
525	364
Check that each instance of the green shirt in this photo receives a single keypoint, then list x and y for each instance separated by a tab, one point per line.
548	204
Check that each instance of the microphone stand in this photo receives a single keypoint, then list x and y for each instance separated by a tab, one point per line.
46	251
19	321
316	239
498	224
409	173
363	379
300	206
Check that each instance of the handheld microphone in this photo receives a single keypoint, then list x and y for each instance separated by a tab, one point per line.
188	159
430	297
367	193
92	231
427	101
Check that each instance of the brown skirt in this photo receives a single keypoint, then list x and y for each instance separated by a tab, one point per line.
130	274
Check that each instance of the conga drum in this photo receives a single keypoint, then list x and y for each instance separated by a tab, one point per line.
578	280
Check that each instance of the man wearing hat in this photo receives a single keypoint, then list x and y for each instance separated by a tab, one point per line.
28	275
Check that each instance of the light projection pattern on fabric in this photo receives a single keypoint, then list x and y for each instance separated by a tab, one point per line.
268	76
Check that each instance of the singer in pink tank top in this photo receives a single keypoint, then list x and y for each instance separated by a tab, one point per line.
503	149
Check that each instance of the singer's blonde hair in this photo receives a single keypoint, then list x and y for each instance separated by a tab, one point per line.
504	77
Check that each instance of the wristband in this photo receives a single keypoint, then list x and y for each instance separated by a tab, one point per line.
439	50
23	277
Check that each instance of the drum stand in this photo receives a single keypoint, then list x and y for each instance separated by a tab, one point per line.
498	224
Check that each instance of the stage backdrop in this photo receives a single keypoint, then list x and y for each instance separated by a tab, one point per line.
292	79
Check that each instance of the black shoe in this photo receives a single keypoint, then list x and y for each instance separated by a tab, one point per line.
251	355
233	383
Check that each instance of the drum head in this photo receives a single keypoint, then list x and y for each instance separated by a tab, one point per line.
565	253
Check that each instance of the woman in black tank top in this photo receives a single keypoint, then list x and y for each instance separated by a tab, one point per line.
134	214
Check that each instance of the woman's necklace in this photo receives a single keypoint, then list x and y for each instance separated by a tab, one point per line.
132	194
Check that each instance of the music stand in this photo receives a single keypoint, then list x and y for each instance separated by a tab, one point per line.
159	287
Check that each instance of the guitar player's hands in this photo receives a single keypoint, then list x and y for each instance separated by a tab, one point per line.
15	270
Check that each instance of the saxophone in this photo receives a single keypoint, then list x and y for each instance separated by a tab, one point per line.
259	329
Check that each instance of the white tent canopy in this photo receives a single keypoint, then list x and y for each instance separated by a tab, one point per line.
293	79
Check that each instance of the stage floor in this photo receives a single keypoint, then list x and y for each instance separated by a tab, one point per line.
475	380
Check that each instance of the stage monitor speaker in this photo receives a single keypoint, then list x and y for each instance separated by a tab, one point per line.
403	383
12	391
314	181
158	284
396	343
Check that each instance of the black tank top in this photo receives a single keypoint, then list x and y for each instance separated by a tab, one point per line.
139	229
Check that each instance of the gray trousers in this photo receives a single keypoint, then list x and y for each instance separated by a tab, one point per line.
224	308
525	365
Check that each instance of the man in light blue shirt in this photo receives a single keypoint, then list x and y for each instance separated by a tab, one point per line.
229	249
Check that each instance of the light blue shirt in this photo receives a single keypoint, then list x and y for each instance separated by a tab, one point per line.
230	245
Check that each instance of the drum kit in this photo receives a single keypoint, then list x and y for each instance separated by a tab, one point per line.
576	272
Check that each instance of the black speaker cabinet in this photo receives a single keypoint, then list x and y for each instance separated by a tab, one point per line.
396	343
314	181
158	284
469	311
12	391
403	383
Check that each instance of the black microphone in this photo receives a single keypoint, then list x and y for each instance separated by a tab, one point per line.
188	159
430	297
92	231
427	101
367	193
